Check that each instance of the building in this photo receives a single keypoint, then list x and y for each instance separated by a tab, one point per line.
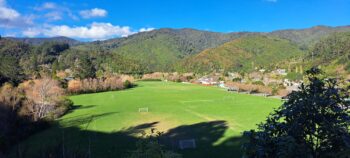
207	81
281	72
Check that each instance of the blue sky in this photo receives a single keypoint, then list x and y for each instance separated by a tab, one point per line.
102	19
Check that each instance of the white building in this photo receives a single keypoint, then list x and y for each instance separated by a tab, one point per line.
207	81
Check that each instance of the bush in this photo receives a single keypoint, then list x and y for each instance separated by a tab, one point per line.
258	83
92	85
128	84
149	146
63	106
236	80
23	111
251	88
282	92
293	76
313	122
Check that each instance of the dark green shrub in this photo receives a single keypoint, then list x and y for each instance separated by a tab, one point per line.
127	84
313	122
237	79
258	83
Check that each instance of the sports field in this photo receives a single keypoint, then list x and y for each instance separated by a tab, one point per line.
108	124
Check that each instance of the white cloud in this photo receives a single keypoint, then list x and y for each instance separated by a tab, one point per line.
46	6
49	5
10	18
53	16
95	31
52	12
31	32
96	12
7	13
146	29
2	2
10	34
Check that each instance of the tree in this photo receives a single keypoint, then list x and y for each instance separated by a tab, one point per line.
10	96
149	146
10	71
54	69
49	51
84	67
314	122
43	95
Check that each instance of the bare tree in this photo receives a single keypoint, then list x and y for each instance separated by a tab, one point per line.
42	96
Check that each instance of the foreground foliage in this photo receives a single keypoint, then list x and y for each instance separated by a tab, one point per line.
151	147
28	108
314	122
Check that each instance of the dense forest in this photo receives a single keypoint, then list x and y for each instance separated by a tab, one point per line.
170	50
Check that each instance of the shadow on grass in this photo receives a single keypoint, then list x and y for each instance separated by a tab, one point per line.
83	119
90	143
75	107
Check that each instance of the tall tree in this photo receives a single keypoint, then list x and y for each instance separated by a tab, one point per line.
314	122
54	69
9	70
84	67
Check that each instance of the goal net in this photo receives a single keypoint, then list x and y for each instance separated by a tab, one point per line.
143	109
187	144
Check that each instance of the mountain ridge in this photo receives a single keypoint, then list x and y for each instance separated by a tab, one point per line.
41	40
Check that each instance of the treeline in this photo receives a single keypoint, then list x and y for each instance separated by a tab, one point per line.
27	108
92	85
20	61
175	77
257	88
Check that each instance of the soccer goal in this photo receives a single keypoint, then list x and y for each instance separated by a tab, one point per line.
143	109
187	144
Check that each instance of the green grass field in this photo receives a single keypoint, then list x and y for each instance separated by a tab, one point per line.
108	124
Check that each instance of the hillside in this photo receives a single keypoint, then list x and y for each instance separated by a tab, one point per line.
39	41
242	54
10	54
332	53
160	49
306	38
171	50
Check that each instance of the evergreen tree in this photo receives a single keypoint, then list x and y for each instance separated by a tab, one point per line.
314	122
84	67
54	69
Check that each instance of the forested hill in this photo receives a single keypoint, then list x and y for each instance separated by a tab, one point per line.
332	53
169	50
243	54
306	38
39	41
161	49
